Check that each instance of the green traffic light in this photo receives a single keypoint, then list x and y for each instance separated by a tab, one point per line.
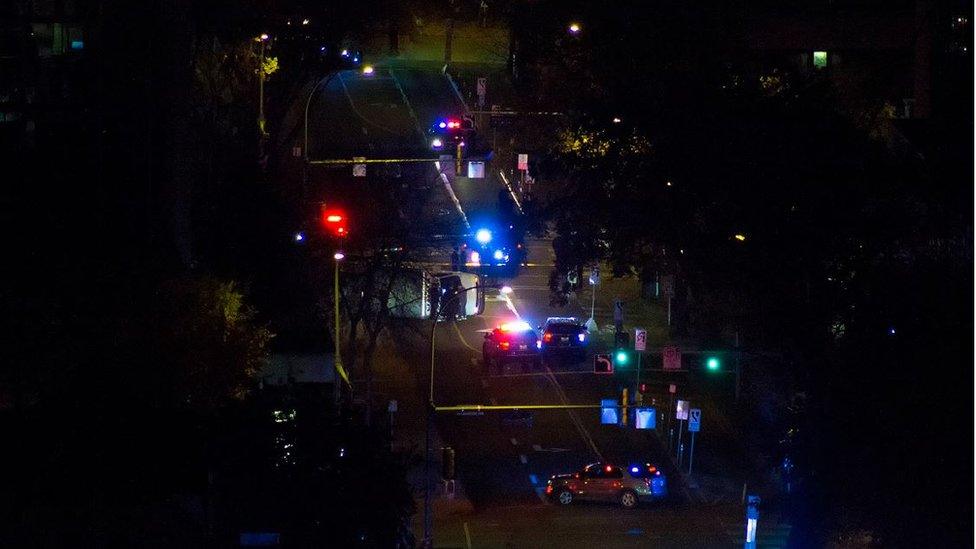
712	363
622	357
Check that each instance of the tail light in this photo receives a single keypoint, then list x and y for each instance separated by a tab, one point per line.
549	489
547	337
504	345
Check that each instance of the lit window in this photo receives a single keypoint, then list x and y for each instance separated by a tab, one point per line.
819	59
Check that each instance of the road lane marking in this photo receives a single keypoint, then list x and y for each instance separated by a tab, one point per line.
467	535
458	331
562	396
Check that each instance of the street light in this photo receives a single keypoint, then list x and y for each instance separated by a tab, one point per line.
368	70
428	541
263	39
574	28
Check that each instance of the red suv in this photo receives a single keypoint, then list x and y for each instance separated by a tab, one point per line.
630	485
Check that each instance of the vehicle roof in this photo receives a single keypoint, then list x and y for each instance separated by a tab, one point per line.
562	320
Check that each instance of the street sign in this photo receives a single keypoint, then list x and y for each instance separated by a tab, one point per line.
640	339
523	161
667	285
476	169
359	170
608	411
595	275
672	388
645	418
392	406
572	277
694	420
682	411
672	357
602	364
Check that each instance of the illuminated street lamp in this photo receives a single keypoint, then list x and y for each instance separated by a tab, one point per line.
368	70
574	28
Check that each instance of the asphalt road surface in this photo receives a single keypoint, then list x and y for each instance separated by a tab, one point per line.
502	467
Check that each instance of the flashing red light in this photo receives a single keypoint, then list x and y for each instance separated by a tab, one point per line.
504	345
549	489
452	124
547	337
335	221
608	468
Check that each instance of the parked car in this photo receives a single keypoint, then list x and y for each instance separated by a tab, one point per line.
512	341
564	337
628	485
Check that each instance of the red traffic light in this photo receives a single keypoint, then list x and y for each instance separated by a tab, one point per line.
335	221
642	388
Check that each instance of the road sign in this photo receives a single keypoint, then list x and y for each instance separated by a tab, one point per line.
694	420
523	161
640	339
359	170
672	357
608	411
645	418
682	410
602	364
672	388
667	285
595	275
476	169
572	277
392	406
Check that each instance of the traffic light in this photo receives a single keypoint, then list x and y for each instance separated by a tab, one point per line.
642	388
713	363
621	358
335	220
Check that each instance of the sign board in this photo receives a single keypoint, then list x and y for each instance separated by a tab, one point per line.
694	420
482	85
682	410
645	418
595	276
359	170
572	277
523	161
602	364
618	311
259	539
667	285
640	339
608	411
392	406
671	356
476	169
672	388
296	152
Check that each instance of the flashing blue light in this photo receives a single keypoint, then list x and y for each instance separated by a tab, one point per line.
299	237
483	236
345	53
582	337
538	344
442	125
891	331
499	255
634	469
77	44
355	60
